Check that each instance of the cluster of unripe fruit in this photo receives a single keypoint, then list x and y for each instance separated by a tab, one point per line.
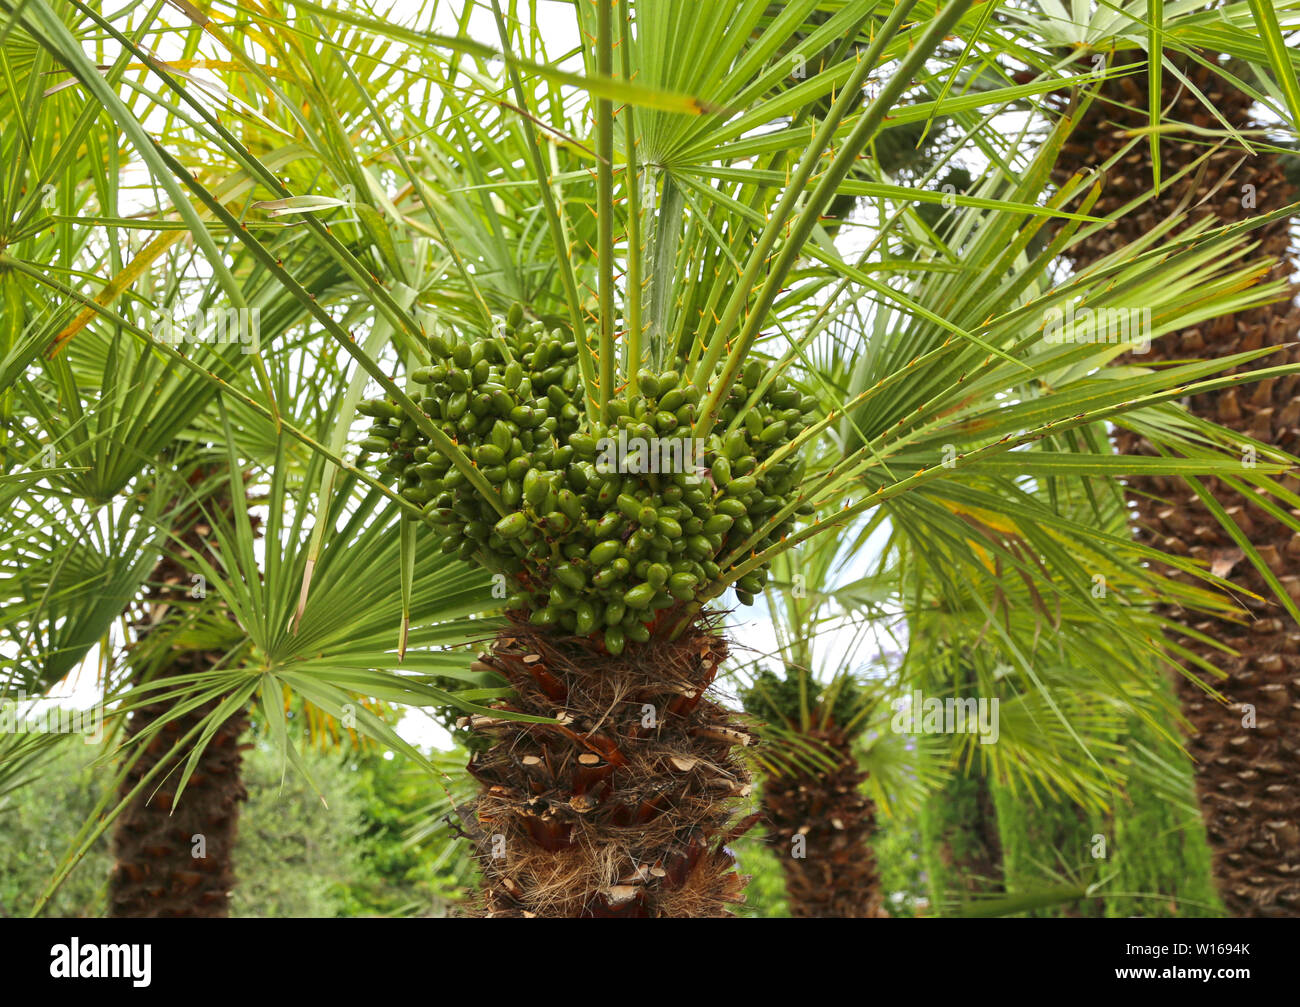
605	523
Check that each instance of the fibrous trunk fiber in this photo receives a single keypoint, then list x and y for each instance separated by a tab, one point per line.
623	808
832	872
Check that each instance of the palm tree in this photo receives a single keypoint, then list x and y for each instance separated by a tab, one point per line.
1215	161
160	870
818	815
112	469
609	779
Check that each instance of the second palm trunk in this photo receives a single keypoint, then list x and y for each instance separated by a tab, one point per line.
1246	749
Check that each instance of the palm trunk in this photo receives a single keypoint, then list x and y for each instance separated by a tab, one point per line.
832	873
1247	753
1045	842
1161	858
962	846
176	858
625	807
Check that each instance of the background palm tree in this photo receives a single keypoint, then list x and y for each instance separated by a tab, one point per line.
1214	160
175	858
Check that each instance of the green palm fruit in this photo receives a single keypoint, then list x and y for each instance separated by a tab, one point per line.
535	487
719	524
489	454
648	384
605	577
629	505
672	401
502	435
570	576
585	618
569	504
457	405
699	547
380	409
511	526
640	596
609	525
638	632
741	486
546	616
609	490
669	527
584	444
615	640
605	552
735	444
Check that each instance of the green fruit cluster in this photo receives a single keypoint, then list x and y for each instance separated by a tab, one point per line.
605	523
